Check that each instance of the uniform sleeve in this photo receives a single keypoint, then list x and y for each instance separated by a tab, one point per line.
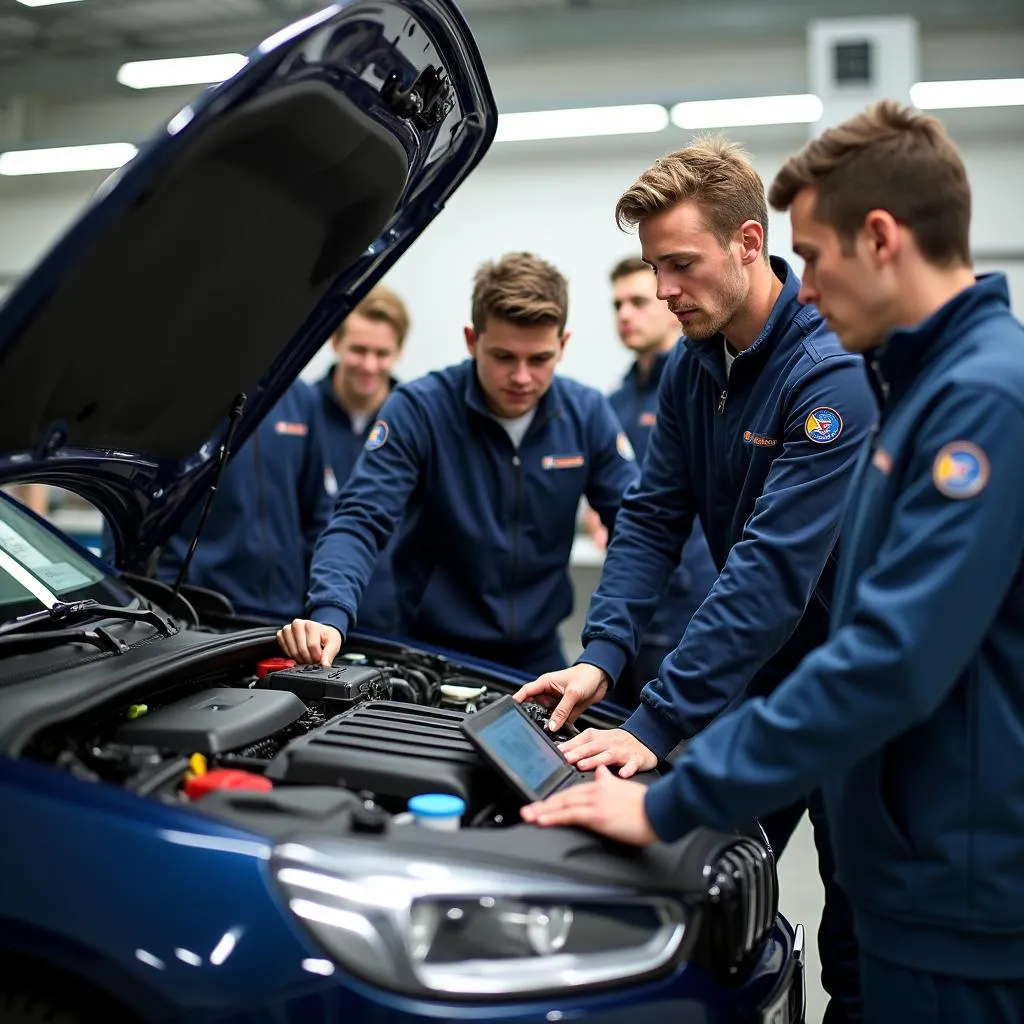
316	498
368	510
612	463
920	614
653	523
769	576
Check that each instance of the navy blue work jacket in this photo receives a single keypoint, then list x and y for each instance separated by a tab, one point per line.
913	713
635	403
763	458
484	529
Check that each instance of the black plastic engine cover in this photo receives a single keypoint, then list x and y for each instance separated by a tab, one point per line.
214	721
337	687
392	749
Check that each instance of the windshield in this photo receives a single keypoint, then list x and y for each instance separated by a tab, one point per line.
35	563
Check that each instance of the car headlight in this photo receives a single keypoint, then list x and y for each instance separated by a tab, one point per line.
417	925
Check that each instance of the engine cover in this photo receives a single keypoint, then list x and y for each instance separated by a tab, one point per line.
392	749
215	720
337	689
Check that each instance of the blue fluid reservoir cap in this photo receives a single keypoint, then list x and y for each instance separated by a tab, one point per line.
437	805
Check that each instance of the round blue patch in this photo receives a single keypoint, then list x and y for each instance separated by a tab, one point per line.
378	436
823	425
960	470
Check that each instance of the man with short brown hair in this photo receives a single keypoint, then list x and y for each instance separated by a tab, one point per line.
912	715
479	468
367	345
760	419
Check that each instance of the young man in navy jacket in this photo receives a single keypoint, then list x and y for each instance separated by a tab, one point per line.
480	469
650	330
760	418
273	500
912	715
367	346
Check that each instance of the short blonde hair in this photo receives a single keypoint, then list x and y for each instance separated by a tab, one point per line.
382	305
522	289
889	157
714	173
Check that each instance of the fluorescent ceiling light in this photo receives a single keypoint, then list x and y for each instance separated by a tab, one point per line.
581	122
984	92
45	3
103	157
159	74
802	108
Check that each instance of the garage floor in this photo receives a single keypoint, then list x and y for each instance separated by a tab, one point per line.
801	900
801	894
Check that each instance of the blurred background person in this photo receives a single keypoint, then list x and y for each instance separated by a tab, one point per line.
366	347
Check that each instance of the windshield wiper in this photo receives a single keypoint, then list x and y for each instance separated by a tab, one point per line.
98	637
72	611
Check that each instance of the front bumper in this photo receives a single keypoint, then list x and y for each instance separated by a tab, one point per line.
787	1003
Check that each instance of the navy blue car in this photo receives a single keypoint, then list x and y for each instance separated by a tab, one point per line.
193	828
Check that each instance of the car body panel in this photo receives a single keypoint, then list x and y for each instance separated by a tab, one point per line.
199	933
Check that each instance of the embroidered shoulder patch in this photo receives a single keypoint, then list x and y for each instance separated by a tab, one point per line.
624	448
960	470
378	436
823	425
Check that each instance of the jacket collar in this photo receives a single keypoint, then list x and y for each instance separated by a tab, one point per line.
633	381
711	351
549	405
908	351
331	403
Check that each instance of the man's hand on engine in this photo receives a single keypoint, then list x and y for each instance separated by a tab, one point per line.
310	643
571	691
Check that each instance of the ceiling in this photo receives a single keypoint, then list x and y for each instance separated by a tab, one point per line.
73	46
100	26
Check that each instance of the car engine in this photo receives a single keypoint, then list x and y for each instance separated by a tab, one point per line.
275	748
380	723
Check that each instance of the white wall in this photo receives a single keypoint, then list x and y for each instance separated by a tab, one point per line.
33	214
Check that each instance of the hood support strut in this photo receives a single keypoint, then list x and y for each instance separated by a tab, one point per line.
222	460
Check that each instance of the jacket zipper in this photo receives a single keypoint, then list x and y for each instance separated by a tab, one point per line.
883	384
517	465
721	401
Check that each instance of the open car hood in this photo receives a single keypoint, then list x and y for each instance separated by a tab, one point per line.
216	262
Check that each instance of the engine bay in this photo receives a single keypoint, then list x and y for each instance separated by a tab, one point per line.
382	724
232	732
